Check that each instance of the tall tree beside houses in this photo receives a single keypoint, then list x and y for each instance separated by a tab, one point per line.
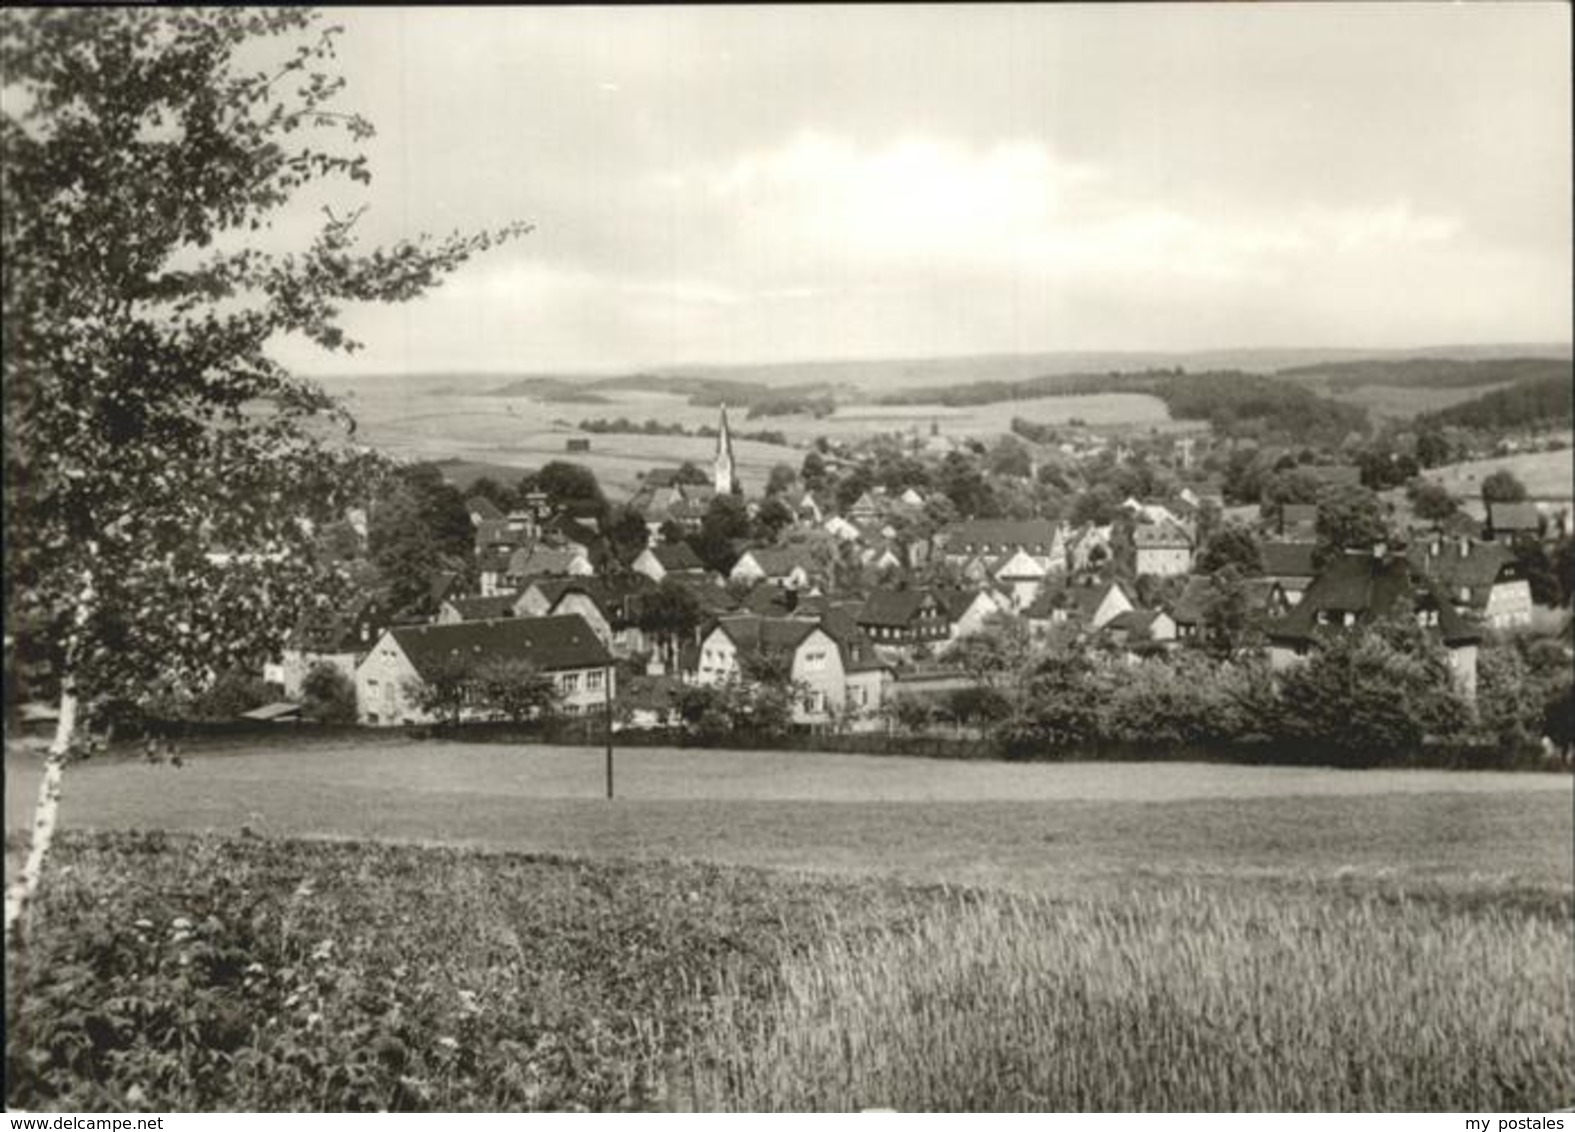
163	472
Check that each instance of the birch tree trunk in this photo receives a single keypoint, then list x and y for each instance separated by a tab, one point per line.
45	814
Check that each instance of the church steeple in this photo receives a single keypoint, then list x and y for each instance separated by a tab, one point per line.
722	466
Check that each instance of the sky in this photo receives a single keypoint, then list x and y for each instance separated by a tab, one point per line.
756	184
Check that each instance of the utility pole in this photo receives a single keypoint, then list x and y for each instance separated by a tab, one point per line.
607	698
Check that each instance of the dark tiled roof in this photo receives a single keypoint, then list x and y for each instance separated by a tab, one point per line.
1188	608
750	632
677	556
548	642
891	607
483	508
779	561
1452	565
1338	474
1288	559
1029	533
1299	514
1160	535
1369	588
1514	517
484	608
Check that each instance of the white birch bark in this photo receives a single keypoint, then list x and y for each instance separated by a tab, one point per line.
46	812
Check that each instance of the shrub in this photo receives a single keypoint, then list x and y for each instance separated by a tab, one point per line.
328	695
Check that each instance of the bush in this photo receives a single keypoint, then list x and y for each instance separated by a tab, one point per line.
327	695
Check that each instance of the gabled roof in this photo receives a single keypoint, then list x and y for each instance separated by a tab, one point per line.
541	560
1340	474
551	643
778	561
751	633
484	608
1369	587
480	507
677	556
1299	514
1514	517
1287	559
1187	609
1160	536
1029	533
894	608
1138	624
1465	562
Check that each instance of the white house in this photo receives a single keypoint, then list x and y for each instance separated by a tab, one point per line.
1163	549
781	565
837	668
563	647
657	562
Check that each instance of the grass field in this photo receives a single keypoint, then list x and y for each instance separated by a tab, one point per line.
1112	936
1547	475
445	419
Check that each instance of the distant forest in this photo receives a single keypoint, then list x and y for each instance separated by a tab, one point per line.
1538	402
1234	403
1438	373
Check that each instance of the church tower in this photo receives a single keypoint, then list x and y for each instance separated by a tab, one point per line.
722	466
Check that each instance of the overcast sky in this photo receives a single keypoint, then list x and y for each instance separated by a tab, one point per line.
765	184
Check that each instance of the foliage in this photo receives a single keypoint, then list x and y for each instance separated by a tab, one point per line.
1432	501
1509	706
445	689
996	653
1372	694
327	695
726	520
781	479
572	487
1540	402
1349	518
1502	486
1225	614
1231	546
735	706
146	424
178	974
515	690
232	694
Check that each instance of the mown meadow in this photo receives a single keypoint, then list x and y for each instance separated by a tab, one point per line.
174	971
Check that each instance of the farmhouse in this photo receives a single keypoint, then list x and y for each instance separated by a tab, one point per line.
1290	565
1479	578
563	647
1359	588
788	567
657	562
1040	539
339	638
835	666
903	619
488	608
1164	550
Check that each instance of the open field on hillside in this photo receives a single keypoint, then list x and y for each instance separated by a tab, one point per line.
1547	475
444	421
1403	402
1163	936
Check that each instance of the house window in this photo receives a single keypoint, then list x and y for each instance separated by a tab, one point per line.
815	660
570	682
594	680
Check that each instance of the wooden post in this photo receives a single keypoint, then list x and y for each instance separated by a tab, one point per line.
607	723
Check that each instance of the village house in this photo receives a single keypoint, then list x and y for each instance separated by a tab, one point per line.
338	638
564	648
1086	606
658	562
1041	539
836	667
1359	588
610	606
1088	547
481	509
1264	599
541	560
477	608
1482	579
1136	631
785	566
1164	550
1290	565
1509	521
1020	576
898	621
